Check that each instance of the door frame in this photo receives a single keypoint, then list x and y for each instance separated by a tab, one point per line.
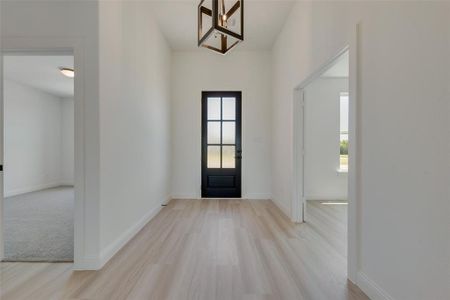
204	137
57	46
298	202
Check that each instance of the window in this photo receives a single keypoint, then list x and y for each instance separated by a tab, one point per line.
343	132
221	133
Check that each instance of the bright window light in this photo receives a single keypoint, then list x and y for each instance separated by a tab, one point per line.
343	132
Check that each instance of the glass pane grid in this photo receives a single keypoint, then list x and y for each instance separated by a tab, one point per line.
221	132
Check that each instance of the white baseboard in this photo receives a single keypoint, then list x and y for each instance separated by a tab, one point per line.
31	189
372	290
120	242
185	197
315	198
168	199
256	196
87	264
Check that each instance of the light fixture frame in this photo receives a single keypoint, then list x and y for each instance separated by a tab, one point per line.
217	28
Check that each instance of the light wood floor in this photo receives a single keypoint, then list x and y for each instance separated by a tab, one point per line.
207	249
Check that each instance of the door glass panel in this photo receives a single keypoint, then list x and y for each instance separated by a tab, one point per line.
213	108
213	157
229	109
228	157
229	132
213	132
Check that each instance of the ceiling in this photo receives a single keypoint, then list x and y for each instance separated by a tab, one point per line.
264	20
340	69
41	72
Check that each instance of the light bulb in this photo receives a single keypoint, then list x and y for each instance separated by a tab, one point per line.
68	72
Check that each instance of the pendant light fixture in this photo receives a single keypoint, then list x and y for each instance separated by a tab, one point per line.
220	24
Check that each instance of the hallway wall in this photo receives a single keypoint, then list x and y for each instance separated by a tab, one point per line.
134	121
197	71
403	190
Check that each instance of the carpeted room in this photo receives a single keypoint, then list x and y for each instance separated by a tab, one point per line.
38	150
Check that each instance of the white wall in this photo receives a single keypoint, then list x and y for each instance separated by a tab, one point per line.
33	139
322	110
67	141
69	24
197	71
134	121
404	126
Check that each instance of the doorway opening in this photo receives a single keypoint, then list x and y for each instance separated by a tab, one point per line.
325	154
325	136
38	157
221	144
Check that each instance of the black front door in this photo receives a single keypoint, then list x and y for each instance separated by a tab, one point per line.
221	144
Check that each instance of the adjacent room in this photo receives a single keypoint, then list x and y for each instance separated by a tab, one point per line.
38	126
324	134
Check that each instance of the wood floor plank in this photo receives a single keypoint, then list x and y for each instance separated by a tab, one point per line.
208	249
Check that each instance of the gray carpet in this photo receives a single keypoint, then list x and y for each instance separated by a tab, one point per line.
39	226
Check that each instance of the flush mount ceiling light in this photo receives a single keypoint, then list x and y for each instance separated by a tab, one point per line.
68	72
220	24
